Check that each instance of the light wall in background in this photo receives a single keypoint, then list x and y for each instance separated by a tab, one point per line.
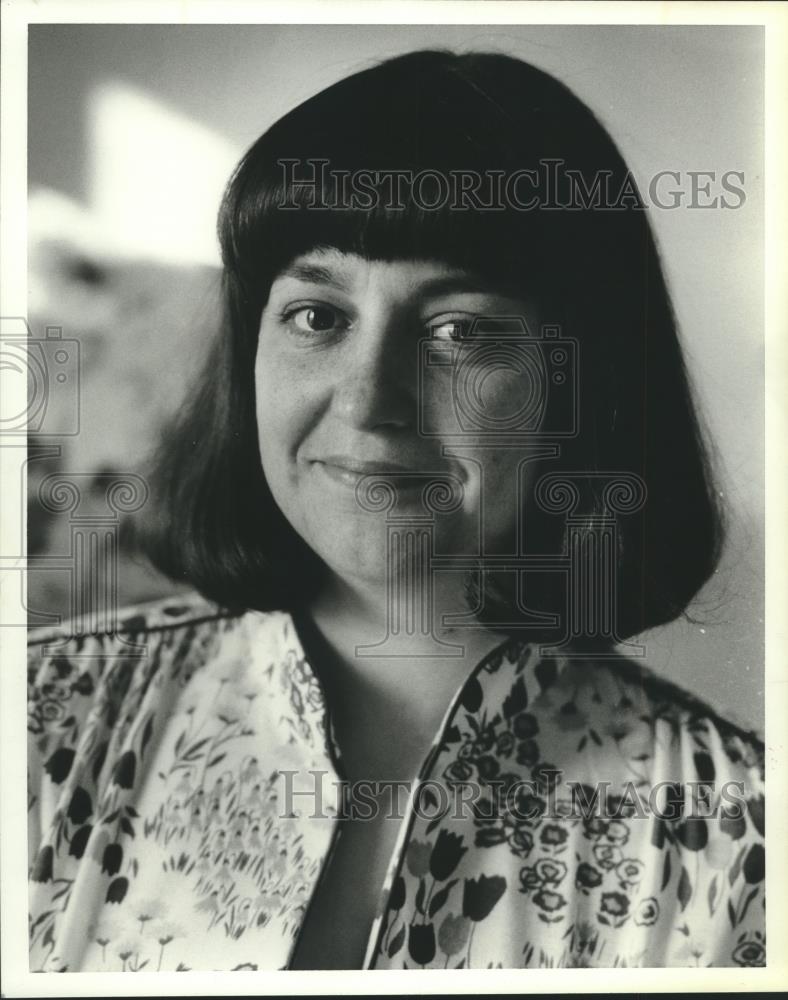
155	175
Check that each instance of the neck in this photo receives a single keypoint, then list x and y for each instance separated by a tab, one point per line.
350	614
364	612
387	702
349	607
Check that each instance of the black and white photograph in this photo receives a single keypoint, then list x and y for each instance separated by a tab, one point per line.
385	456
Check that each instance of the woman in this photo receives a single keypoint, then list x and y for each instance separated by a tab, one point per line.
442	459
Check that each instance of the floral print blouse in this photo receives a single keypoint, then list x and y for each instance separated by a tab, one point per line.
614	820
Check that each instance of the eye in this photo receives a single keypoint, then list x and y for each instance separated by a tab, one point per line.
455	328
314	318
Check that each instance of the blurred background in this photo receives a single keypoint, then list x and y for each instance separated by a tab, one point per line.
133	132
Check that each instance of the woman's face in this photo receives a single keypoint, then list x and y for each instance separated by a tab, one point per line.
356	374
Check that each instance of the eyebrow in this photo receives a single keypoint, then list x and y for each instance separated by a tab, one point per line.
315	274
457	281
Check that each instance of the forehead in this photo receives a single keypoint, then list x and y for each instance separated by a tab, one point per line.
348	271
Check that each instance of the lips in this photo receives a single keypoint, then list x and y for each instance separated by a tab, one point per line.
365	467
349	470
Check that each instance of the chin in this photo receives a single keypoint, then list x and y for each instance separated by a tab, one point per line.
353	550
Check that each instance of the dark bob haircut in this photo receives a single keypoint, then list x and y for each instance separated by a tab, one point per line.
589	261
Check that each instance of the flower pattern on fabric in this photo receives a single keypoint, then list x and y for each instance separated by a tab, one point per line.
161	837
588	871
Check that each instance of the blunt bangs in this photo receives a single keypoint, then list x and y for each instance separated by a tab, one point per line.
385	164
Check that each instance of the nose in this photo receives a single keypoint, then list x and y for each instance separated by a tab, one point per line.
376	384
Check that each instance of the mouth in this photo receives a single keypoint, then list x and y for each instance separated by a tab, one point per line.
349	471
364	467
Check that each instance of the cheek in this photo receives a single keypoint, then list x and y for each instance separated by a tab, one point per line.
269	395
502	396
479	398
269	413
436	403
497	397
284	406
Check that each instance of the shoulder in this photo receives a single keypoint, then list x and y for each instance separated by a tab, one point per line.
612	709
685	708
75	674
155	622
634	693
167	614
171	635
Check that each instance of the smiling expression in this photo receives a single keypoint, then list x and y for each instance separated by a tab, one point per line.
338	396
